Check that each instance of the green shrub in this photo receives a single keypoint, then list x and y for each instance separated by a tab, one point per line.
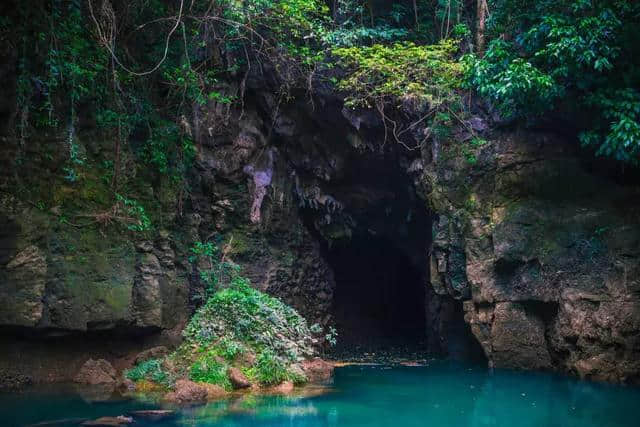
228	349
382	73
210	370
579	56
150	370
269	369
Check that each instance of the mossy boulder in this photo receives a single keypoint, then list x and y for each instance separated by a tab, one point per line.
239	338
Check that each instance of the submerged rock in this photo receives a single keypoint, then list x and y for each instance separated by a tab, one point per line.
286	387
154	414
120	420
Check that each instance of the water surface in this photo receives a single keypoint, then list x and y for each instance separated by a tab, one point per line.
443	394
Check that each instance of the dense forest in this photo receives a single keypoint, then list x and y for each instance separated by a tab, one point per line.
139	71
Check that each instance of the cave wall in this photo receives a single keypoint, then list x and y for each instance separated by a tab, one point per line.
543	252
538	253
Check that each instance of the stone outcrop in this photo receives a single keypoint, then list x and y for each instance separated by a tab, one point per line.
544	251
96	372
79	280
317	370
187	392
21	299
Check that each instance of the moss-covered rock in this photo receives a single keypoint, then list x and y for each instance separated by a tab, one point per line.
240	337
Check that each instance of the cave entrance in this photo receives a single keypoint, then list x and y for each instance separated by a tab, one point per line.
380	266
379	300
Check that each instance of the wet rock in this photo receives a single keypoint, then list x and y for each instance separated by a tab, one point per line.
154	414
96	372
247	358
214	392
13	381
238	379
95	392
317	370
518	338
120	420
187	392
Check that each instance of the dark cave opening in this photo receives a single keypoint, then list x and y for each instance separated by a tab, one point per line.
377	246
379	300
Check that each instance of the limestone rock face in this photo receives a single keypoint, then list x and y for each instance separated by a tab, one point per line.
77	279
96	372
541	248
544	253
22	294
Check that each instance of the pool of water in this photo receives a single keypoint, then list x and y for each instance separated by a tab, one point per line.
441	394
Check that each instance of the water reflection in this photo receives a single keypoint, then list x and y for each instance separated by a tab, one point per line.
443	394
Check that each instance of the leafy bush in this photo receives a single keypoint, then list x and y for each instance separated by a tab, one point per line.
238	320
383	73
515	85
244	314
150	370
269	369
207	368
584	52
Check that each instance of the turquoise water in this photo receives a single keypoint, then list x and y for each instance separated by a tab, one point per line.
442	394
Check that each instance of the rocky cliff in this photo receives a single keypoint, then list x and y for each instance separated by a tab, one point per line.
513	233
543	250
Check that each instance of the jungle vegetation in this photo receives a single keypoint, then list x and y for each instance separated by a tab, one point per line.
140	72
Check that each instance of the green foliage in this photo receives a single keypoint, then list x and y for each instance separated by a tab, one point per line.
150	370
515	85
269	369
220	272
618	134
228	349
239	319
581	51
332	336
356	36
137	219
247	315
207	368
379	73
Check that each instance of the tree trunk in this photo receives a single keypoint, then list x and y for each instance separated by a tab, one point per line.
415	13
480	25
